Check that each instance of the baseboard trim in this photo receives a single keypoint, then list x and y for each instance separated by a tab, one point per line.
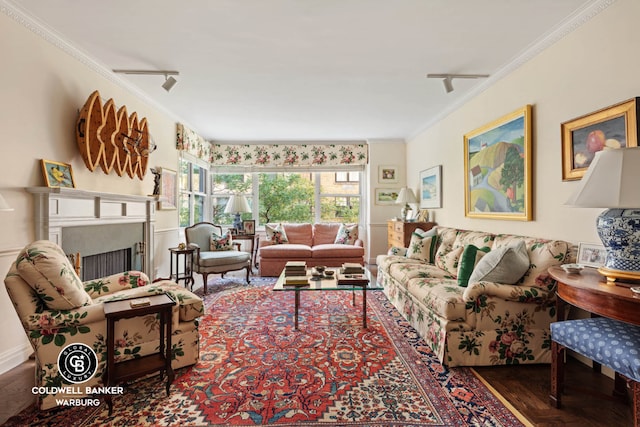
14	357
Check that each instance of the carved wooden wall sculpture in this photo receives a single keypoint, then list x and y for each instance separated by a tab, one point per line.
112	139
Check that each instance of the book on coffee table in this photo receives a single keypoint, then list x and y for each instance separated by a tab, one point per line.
295	268
353	279
352	268
296	280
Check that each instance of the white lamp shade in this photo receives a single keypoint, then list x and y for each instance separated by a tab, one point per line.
4	206
406	196
237	204
611	181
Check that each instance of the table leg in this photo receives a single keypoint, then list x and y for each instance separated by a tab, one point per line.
169	349
364	307
109	373
296	310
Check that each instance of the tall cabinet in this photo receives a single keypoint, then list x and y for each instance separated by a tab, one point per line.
399	232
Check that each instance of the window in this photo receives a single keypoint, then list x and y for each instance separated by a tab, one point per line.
289	196
193	192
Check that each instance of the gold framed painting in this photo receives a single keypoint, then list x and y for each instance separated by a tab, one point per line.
611	127
57	174
497	168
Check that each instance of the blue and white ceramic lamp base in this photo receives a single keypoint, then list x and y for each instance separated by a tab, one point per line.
619	230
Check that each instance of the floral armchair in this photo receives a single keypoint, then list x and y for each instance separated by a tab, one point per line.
56	308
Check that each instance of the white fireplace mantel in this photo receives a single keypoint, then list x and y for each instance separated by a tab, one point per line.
57	208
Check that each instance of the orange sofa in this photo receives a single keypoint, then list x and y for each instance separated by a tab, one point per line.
313	243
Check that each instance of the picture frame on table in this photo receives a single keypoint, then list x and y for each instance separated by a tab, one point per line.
233	231
168	196
611	127
249	226
431	187
591	254
57	174
422	215
388	174
386	196
500	190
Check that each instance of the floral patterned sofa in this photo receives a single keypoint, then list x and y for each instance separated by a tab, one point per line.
484	323
57	309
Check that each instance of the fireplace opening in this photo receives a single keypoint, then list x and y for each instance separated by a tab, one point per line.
105	264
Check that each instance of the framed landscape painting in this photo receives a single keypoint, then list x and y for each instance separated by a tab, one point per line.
612	127
431	187
497	168
386	196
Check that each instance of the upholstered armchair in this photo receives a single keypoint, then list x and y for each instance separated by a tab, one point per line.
57	309
214	251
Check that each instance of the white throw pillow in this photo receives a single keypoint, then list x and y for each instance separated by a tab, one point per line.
347	234
504	265
276	234
422	245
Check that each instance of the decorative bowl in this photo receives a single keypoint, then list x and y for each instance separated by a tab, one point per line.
320	268
329	273
572	268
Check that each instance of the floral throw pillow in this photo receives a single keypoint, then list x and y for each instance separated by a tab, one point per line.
347	234
422	245
221	243
276	234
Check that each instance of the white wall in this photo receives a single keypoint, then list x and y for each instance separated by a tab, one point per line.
386	152
590	68
43	89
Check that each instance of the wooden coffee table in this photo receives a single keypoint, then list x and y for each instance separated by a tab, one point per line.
329	284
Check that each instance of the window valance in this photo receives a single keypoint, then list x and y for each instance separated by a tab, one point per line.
270	156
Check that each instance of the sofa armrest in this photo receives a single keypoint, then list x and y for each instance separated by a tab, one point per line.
48	321
116	282
518	293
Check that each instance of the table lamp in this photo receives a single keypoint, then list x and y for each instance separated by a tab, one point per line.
237	204
612	182
405	196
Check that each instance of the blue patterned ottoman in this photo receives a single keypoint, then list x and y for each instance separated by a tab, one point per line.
606	341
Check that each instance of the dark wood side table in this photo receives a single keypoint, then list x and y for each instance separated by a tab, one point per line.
255	244
187	269
134	368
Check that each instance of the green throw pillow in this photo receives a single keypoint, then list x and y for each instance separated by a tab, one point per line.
468	261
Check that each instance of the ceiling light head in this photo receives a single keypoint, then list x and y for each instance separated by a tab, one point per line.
169	82
448	85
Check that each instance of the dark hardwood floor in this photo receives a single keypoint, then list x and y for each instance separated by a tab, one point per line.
525	387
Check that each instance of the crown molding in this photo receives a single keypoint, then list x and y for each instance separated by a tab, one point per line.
567	26
15	12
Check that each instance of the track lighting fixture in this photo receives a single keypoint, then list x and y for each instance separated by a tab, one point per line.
169	82
447	79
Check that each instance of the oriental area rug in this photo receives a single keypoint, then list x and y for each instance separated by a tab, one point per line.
255	369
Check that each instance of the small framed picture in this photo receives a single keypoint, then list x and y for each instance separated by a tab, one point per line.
591	254
249	226
386	196
57	174
431	187
233	231
168	189
388	174
422	215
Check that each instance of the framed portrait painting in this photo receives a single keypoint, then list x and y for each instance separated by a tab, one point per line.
168	189
612	127
431	187
497	168
57	174
388	174
249	226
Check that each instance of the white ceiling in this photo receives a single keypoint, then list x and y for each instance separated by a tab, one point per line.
314	70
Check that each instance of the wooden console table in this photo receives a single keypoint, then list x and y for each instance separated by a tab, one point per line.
590	291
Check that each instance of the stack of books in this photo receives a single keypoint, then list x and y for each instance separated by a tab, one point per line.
352	268
295	273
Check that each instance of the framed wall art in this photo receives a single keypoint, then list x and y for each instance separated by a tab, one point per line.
612	127
497	168
386	196
388	174
431	187
168	189
57	174
591	254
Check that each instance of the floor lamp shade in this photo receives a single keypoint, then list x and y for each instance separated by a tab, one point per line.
612	182
237	204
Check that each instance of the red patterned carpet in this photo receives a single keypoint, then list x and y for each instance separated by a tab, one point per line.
256	369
